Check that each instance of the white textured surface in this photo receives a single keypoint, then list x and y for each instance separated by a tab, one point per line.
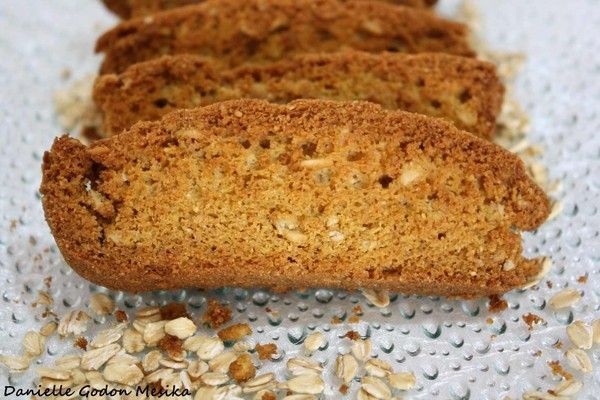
448	344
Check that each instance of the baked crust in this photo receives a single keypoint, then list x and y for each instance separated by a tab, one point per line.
463	90
260	31
140	8
310	194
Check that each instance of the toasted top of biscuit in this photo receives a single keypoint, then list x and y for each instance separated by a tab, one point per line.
463	90
140	8
260	31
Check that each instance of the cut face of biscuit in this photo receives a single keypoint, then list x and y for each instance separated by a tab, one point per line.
192	214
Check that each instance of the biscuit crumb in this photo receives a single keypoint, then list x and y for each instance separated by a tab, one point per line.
173	311
531	320
558	370
266	351
352	335
121	316
81	342
497	304
216	314
171	345
235	332
242	369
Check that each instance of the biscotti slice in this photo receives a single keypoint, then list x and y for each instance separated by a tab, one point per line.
310	194
466	91
260	31
140	8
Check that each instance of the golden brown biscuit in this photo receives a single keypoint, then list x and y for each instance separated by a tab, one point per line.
260	31
140	8
466	91
309	194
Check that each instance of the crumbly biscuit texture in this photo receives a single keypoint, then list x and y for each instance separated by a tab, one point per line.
463	90
140	8
310	194
261	31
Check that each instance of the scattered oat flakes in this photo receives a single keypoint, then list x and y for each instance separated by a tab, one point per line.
222	362
123	358
44	298
75	107
346	368
376	387
125	374
580	334
101	304
569	387
579	360
165	362
151	361
596	331
261	382
181	327
379	298
49	328
214	378
34	343
565	298
209	347
108	336
153	332
94	359
15	363
362	395
314	342
537	395
69	362
133	341
74	323
300	366
306	384
362	349
378	368
402	380
300	397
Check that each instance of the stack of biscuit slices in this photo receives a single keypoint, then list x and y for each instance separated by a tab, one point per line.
290	144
